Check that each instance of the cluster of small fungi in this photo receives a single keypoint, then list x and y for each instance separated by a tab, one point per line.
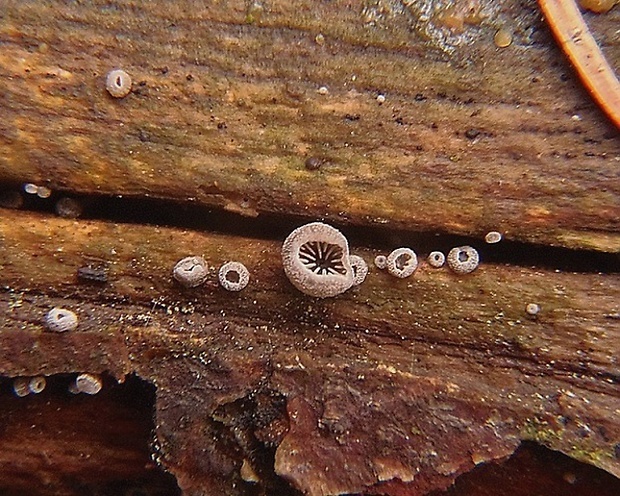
193	271
83	383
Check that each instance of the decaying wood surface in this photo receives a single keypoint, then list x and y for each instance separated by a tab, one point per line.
403	385
395	387
225	111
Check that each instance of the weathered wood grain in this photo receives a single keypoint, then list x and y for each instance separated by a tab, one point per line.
400	385
225	111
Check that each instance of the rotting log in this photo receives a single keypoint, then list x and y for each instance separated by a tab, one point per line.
225	111
395	387
392	388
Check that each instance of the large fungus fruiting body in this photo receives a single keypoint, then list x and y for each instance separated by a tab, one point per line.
316	260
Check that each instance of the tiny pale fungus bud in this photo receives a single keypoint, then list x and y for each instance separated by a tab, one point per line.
402	262
532	309
360	269
233	276
316	260
88	384
493	237
502	38
31	188
37	384
191	271
463	259
118	83
380	261
61	320
21	386
436	259
323	90
44	192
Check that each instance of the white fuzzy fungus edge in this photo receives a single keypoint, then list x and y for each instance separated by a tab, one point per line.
243	276
315	258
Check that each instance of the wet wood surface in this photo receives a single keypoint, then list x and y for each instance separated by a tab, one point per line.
395	387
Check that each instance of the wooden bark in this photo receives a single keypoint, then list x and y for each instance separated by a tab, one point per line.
395	387
225	111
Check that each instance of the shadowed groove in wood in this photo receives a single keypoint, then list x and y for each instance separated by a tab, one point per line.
276	227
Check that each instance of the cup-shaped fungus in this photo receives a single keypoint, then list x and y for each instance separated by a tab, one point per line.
118	83
86	383
316	260
37	384
191	271
402	262
436	259
463	259
233	276
380	261
21	386
61	320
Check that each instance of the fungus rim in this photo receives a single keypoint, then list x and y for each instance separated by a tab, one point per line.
61	320
459	266
408	267
360	269
118	83
242	272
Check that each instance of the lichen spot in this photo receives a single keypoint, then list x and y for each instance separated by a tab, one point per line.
118	83
191	271
493	237
61	320
360	269
402	262
233	276
463	259
436	259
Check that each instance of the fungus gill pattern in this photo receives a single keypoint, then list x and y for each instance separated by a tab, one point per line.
463	259
61	320
402	262
316	260
233	276
191	271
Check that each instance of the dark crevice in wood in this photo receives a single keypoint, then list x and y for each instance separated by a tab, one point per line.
56	442
161	212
